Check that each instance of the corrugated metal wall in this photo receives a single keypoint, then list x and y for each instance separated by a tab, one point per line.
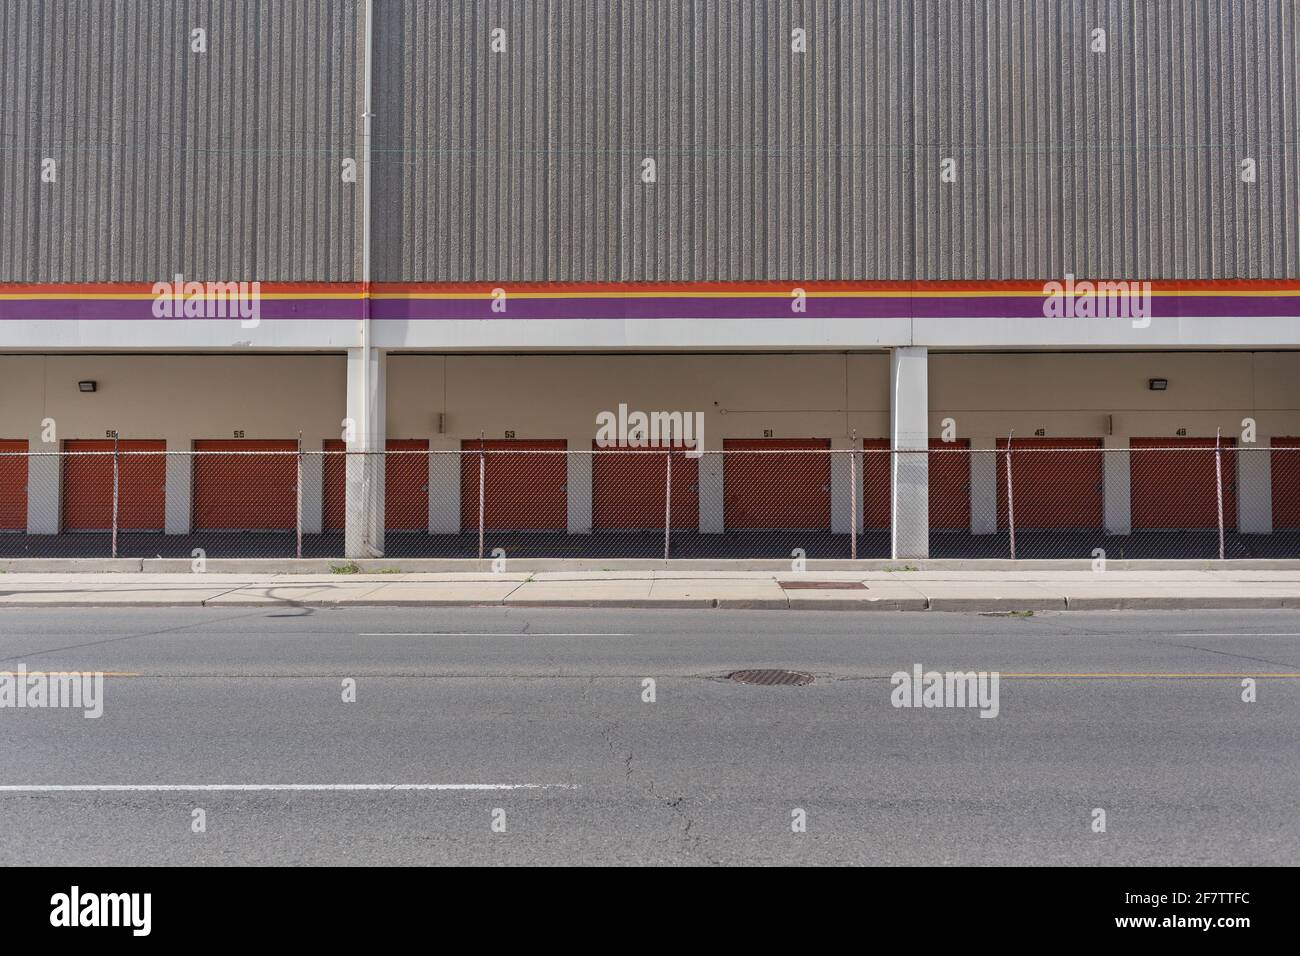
526	164
217	165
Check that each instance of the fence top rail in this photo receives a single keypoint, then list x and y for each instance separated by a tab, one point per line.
679	452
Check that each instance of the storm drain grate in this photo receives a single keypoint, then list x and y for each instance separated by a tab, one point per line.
823	585
771	678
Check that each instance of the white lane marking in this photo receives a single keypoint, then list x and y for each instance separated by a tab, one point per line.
1239	634
195	787
481	634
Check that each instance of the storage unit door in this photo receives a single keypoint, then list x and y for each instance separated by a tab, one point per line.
406	485
88	486
1058	483
949	485
245	492
1286	484
1179	489
787	490
629	487
13	486
521	492
334	481
877	484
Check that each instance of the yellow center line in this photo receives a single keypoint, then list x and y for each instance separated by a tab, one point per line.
1161	676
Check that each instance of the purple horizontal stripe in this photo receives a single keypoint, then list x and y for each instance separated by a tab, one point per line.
658	307
84	310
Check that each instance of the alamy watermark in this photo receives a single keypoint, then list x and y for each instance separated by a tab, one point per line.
922	688
624	429
22	689
1086	299
179	299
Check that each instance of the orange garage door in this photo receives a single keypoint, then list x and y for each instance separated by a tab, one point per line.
949	485
628	486
776	490
406	485
1052	488
245	492
876	484
522	492
1178	489
1286	483
88	486
13	487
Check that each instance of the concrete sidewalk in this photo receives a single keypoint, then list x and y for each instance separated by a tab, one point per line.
1022	589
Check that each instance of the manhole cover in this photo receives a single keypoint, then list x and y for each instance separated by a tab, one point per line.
823	585
770	678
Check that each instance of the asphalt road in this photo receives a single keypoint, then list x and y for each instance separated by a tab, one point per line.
710	772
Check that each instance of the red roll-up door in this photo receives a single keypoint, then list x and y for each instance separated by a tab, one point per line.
245	492
13	486
1178	489
877	484
1056	483
628	488
1286	483
790	490
406	485
949	485
88	486
521	492
334	480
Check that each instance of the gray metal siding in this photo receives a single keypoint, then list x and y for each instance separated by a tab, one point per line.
222	165
771	165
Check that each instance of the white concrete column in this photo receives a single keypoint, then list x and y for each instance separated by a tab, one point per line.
713	513
313	485
1255	487
444	487
909	414
179	482
842	493
578	482
1117	487
44	488
367	391
984	486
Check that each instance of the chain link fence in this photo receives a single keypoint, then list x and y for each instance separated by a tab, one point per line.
1070	500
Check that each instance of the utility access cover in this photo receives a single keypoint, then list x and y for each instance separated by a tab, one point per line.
772	678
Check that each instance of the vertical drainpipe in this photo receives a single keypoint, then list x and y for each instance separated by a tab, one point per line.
366	411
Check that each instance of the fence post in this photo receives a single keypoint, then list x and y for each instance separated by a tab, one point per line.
116	472
481	480
668	503
299	494
1011	504
1218	480
853	500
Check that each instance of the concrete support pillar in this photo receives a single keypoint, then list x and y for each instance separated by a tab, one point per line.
44	488
909	416
313	486
984	486
364	517
578	482
842	493
444	487
1254	487
712	503
1116	490
178	484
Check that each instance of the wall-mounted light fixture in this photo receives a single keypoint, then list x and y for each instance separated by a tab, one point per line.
1157	384
86	386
